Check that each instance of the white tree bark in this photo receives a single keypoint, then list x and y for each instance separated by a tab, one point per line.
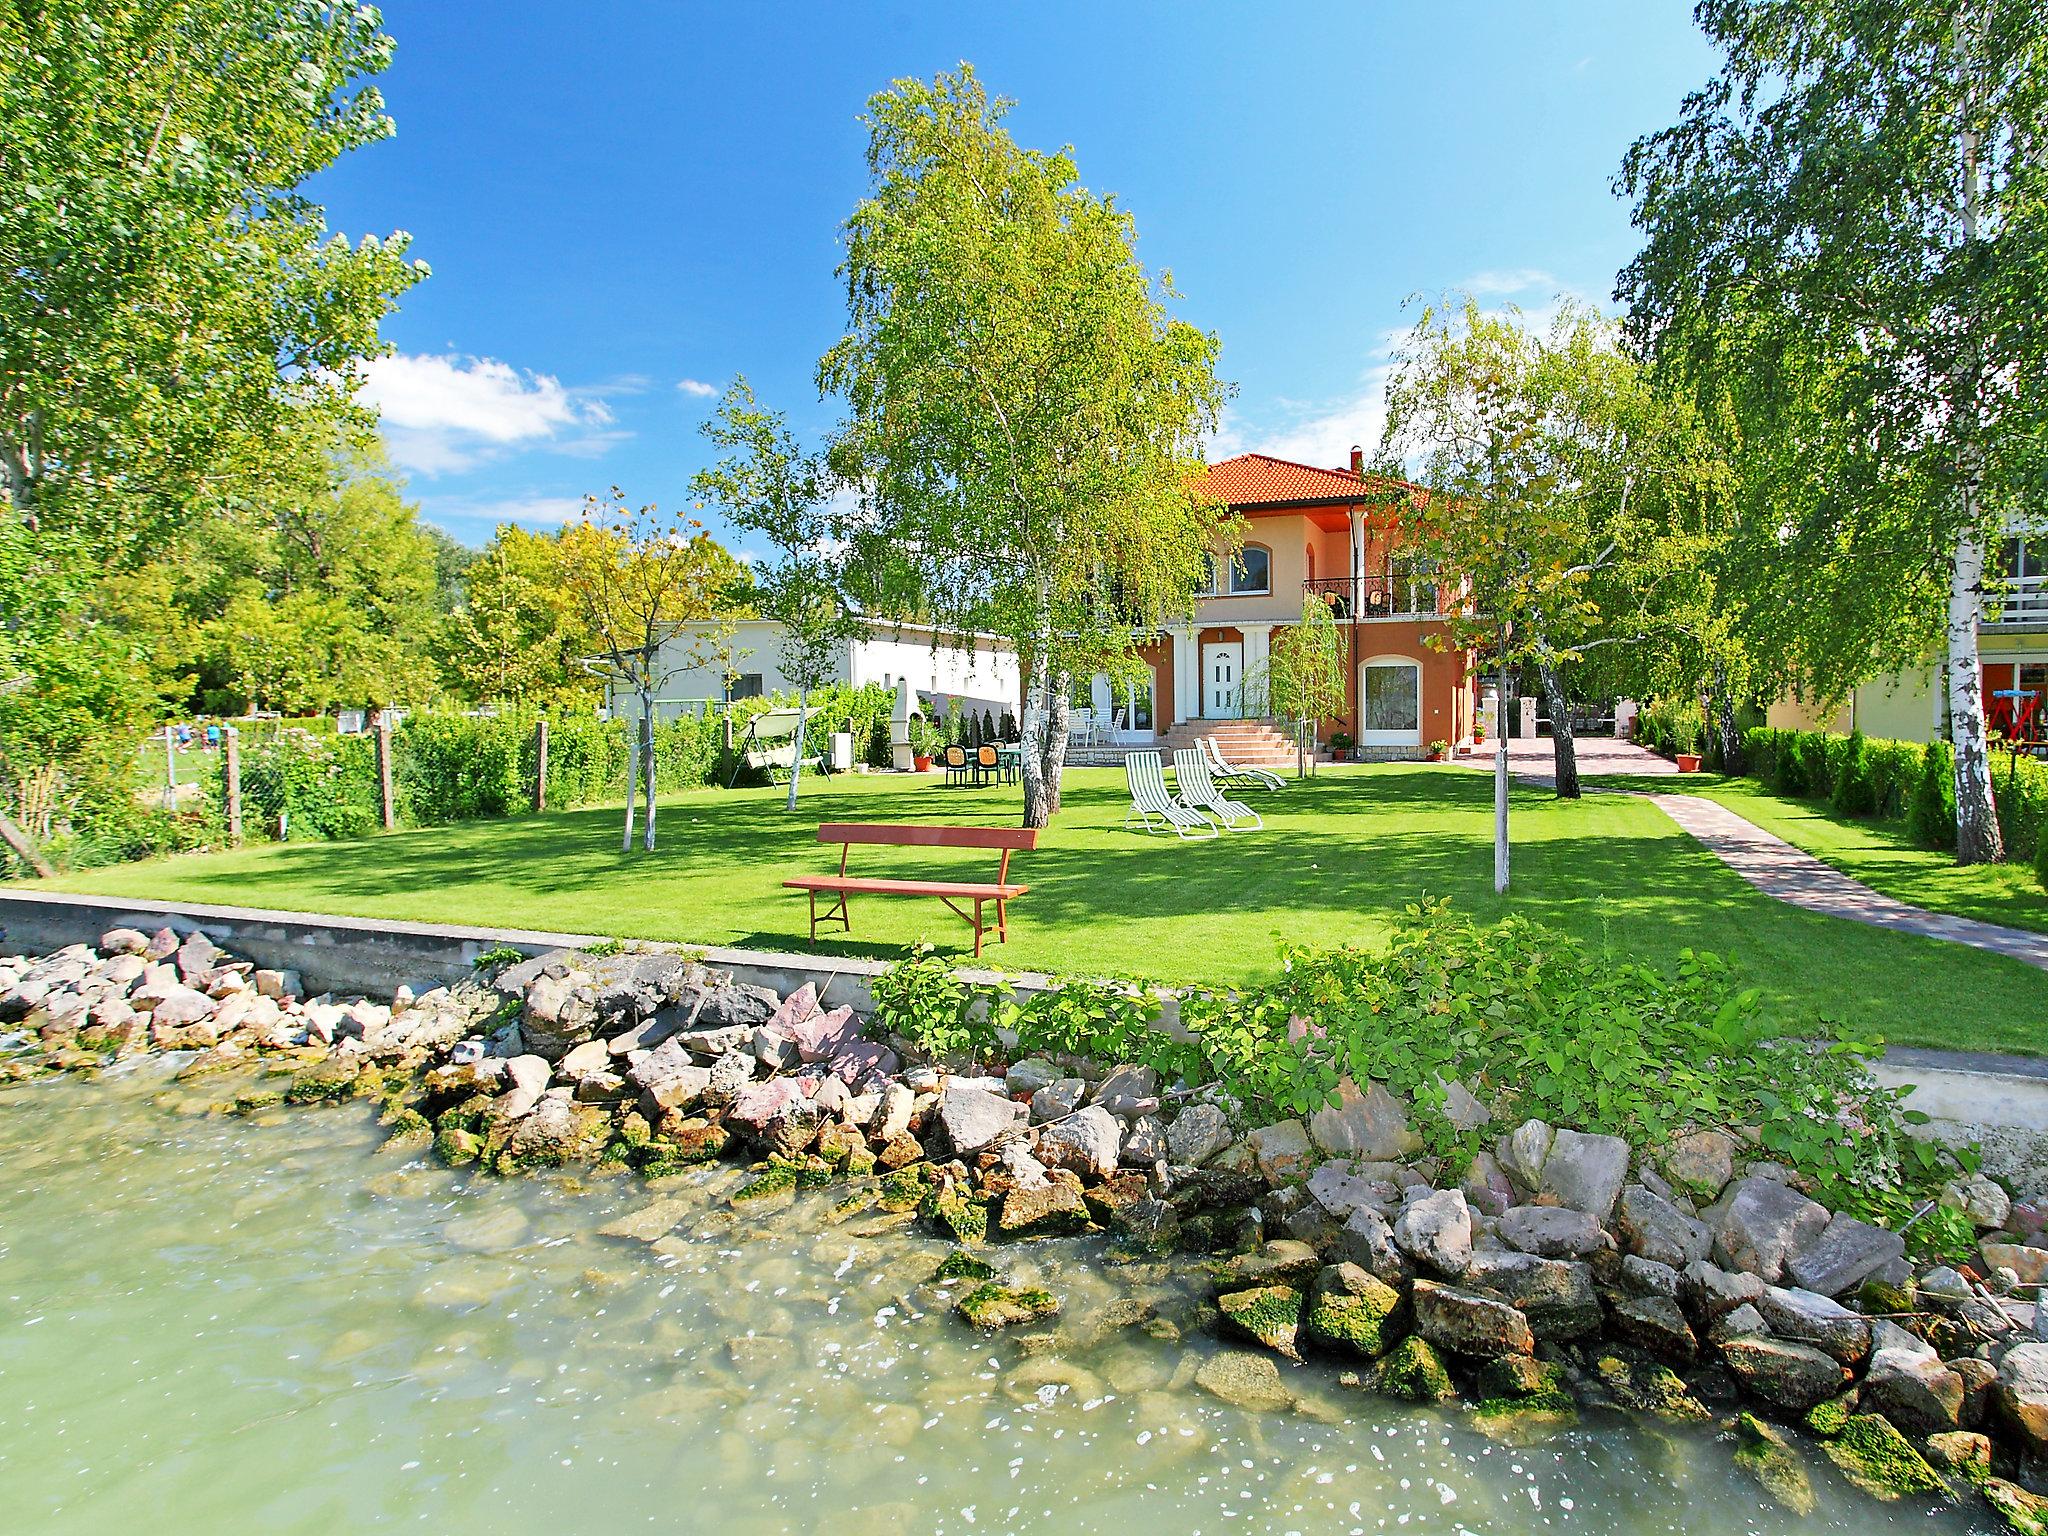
796	765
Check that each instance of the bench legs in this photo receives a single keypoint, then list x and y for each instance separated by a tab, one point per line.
839	912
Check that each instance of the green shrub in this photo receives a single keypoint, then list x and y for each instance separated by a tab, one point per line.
1103	1021
321	787
921	999
1931	821
1852	792
460	767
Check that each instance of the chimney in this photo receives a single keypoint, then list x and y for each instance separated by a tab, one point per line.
1357	460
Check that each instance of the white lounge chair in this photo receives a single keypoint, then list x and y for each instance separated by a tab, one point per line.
1256	778
1145	772
1198	793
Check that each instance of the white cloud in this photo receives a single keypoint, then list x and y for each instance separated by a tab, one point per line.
697	389
449	413
1504	282
474	520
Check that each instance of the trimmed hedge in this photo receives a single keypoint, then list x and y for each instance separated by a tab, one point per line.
1902	781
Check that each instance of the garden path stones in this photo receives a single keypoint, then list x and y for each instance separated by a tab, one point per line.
1811	1318
1089	1141
1197	1134
1282	1151
1796	1377
1586	1172
1760	1223
1654	1228
1843	1255
1437	1231
1552	1232
1467	1323
1372	1125
972	1118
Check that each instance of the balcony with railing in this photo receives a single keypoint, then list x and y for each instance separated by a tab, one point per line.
2018	602
1377	597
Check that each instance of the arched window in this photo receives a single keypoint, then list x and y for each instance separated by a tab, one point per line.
1252	571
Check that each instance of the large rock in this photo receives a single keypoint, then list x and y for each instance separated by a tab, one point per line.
2029	1263
560	1011
1197	1134
1355	1310
1283	1151
972	1118
1699	1166
1371	1125
1437	1231
1128	1091
1342	1187
1914	1390
822	1036
1470	1324
1552	1232
1586	1172
1058	1098
1244	1379
1089	1142
1843	1256
1808	1317
1709	1292
1760	1223
1654	1228
2022	1395
1367	1240
1029	1075
1556	1295
1655	1325
1793	1376
1523	1150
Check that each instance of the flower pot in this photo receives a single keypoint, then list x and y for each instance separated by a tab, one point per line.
921	764
1688	762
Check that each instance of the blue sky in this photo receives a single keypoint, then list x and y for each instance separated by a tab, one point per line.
625	204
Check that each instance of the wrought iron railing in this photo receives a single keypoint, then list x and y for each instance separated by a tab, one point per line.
1377	597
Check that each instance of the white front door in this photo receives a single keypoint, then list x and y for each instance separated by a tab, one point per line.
1223	680
1390	703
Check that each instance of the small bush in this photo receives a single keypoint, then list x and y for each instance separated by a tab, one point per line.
1853	793
1931	821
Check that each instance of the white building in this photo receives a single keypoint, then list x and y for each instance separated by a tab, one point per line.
747	664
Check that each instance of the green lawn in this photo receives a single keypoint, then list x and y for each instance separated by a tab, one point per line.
1877	853
1338	858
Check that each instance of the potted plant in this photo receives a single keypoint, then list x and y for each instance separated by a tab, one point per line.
1685	742
1340	745
1439	750
924	743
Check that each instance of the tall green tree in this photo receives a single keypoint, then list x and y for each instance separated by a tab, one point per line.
768	483
1846	237
1572	502
518	633
1302	679
1025	415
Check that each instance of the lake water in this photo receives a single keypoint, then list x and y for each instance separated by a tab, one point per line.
210	1324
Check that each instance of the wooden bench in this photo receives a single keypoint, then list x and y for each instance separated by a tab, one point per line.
951	892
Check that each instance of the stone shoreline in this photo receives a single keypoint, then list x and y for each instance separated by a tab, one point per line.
1558	1271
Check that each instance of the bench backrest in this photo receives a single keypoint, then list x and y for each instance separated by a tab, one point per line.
927	836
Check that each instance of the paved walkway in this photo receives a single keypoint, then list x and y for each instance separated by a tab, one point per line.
1766	860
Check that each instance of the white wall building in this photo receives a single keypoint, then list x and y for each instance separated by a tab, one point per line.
889	654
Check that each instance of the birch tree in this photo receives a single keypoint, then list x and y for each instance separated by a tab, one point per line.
1025	414
768	484
1844	235
650	588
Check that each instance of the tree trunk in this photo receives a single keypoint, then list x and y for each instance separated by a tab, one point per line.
1045	736
796	765
1978	839
1500	785
647	762
24	847
1723	704
632	789
1564	749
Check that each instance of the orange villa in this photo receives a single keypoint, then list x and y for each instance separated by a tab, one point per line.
1335	534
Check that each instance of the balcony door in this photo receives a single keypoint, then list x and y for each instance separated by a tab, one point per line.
1223	680
1390	702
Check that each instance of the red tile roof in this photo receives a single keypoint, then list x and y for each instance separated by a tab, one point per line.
1259	480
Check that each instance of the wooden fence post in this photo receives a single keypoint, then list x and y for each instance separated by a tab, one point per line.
540	763
232	746
384	770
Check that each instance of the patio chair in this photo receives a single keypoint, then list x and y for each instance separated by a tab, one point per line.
1145	772
956	765
1256	778
1198	793
988	765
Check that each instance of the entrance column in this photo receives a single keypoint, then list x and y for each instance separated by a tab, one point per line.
1258	649
1187	676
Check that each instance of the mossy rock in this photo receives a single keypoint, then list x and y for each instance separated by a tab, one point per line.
777	1178
860	1163
2024	1513
852	1204
456	1147
1520	1421
902	1189
1415	1373
1269	1314
409	1129
1964	1454
1058	1209
957	1216
633	1129
1878	1297
254	1100
837	1143
617	1157
470	1114
1768	1455
1363	1320
992	1306
962	1265
1828	1419
1643	1386
1882	1462
329	1082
